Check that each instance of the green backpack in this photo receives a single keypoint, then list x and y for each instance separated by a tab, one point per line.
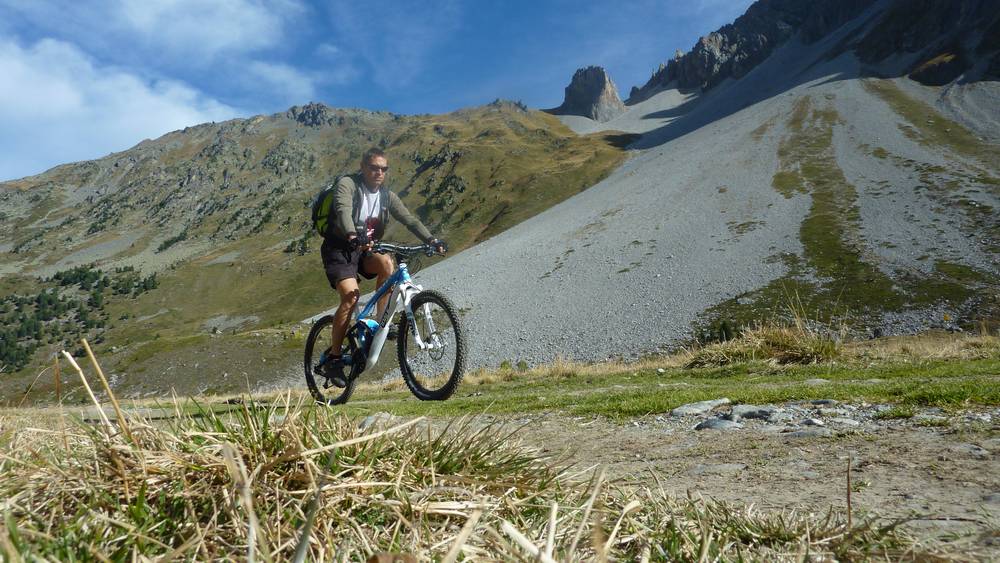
322	209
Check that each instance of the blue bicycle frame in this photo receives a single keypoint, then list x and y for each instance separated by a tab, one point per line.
403	290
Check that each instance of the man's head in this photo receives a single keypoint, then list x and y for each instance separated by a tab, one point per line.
374	167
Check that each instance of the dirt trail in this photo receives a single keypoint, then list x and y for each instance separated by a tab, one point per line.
947	479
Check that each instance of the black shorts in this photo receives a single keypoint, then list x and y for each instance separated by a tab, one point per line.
341	264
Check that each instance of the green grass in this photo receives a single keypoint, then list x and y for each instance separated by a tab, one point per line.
788	183
961	273
933	423
829	233
929	127
151	348
948	384
759	133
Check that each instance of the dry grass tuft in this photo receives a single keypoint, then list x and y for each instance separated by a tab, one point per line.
927	346
563	368
277	481
780	345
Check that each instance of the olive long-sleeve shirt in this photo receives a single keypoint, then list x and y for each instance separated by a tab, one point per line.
347	209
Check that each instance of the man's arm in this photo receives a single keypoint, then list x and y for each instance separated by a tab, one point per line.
344	204
403	215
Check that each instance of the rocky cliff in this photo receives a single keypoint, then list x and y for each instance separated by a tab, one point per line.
936	40
947	38
591	93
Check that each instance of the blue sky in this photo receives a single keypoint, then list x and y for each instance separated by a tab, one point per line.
80	79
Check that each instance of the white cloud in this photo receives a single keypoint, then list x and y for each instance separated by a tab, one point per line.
284	82
396	39
58	106
205	28
328	51
198	31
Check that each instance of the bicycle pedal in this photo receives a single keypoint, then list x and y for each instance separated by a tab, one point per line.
331	382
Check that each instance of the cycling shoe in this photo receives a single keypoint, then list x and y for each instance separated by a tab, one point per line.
333	370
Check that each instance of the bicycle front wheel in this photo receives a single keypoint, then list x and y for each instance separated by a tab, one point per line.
434	370
321	388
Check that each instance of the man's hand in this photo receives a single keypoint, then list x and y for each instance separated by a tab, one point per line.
439	245
360	241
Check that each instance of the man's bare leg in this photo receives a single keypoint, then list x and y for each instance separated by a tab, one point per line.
348	290
380	265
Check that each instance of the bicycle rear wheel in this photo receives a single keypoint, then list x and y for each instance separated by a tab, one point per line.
322	390
432	373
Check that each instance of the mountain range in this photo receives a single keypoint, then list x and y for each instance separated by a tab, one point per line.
832	161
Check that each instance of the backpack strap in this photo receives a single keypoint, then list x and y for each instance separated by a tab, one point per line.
383	201
356	202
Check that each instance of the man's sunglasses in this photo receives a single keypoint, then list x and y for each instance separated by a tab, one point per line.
375	168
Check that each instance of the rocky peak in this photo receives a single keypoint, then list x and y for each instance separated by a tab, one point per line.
591	93
945	38
312	114
735	49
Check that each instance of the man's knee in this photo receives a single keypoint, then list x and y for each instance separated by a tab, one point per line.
384	265
349	298
349	292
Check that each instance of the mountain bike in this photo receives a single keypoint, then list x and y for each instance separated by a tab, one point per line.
430	345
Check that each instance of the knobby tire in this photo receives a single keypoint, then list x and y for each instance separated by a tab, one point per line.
312	354
410	376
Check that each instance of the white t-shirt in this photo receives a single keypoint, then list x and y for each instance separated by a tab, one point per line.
371	206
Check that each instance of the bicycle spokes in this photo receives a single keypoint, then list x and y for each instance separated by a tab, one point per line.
317	379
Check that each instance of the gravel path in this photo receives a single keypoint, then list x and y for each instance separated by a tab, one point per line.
940	476
937	472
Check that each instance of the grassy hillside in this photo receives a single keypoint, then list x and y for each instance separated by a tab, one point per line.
220	212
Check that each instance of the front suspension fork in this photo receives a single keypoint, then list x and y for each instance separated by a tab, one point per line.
428	325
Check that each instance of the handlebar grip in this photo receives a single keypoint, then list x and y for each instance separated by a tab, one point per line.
386	247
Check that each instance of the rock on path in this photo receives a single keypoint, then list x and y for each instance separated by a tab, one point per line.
700	407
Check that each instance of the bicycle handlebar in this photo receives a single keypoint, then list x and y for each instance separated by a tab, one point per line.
403	250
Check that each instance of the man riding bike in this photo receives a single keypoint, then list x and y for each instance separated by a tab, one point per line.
360	212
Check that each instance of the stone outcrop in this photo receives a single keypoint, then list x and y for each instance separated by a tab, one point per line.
993	70
947	38
591	94
828	16
736	48
313	114
915	25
